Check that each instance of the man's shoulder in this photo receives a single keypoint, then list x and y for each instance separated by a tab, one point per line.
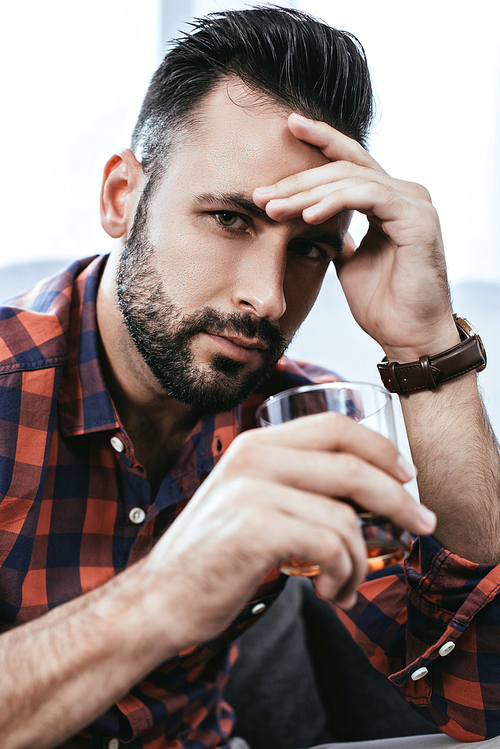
34	324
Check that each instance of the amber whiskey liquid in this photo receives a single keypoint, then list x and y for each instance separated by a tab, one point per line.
298	567
383	555
386	544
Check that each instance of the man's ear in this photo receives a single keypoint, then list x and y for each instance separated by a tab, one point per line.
122	186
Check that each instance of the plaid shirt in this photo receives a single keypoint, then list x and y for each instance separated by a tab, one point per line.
75	509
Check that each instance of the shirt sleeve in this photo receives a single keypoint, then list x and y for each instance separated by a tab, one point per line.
433	626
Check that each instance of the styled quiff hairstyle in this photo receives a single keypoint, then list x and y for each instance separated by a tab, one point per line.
284	54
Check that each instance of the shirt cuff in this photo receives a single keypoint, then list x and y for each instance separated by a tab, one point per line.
445	593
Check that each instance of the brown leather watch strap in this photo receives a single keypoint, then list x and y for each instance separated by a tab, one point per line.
429	372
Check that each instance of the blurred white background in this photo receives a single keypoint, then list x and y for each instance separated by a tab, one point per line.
74	74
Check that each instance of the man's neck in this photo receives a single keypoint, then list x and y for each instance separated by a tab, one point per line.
158	432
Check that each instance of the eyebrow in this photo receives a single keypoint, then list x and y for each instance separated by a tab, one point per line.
318	233
235	200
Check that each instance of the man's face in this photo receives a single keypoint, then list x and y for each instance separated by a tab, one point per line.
211	289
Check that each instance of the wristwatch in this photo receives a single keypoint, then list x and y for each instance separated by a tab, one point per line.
429	372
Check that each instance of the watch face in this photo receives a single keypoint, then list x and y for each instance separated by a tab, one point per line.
469	331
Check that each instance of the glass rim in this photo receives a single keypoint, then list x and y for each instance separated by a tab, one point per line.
335	385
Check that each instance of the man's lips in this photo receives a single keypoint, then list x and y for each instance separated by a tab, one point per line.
239	340
245	350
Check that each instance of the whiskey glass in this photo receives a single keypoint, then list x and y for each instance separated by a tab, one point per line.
371	406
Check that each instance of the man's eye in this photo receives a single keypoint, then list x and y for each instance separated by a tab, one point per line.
230	220
308	250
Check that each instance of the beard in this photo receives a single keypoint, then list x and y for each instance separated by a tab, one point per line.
163	335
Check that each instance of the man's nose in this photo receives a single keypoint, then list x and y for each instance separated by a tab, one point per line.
259	286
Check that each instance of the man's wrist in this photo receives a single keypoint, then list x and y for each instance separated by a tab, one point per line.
427	346
428	372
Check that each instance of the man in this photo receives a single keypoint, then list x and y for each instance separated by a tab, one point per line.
135	522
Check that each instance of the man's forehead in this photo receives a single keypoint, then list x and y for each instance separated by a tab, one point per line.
239	131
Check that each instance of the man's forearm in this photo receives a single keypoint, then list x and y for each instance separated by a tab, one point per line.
61	671
458	464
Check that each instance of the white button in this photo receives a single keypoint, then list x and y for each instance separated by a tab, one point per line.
113	744
258	608
419	673
119	447
446	648
137	516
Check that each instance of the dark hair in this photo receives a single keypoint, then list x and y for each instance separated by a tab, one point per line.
285	54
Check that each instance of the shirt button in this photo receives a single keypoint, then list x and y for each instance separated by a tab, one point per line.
419	673
446	648
119	447
113	744
258	608
137	516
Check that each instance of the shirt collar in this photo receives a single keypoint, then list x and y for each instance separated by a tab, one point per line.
84	402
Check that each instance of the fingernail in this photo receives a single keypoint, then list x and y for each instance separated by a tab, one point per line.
300	118
427	517
407	470
266	190
310	212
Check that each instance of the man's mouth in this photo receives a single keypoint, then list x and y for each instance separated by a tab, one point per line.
240	340
239	348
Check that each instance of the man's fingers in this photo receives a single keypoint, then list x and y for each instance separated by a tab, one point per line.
332	456
303	194
380	202
350	165
327	587
322	177
331	142
332	476
330	432
324	531
286	208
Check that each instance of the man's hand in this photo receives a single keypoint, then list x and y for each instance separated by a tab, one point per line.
395	282
396	287
277	493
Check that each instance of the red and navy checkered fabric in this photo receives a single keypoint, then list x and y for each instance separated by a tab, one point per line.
65	498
